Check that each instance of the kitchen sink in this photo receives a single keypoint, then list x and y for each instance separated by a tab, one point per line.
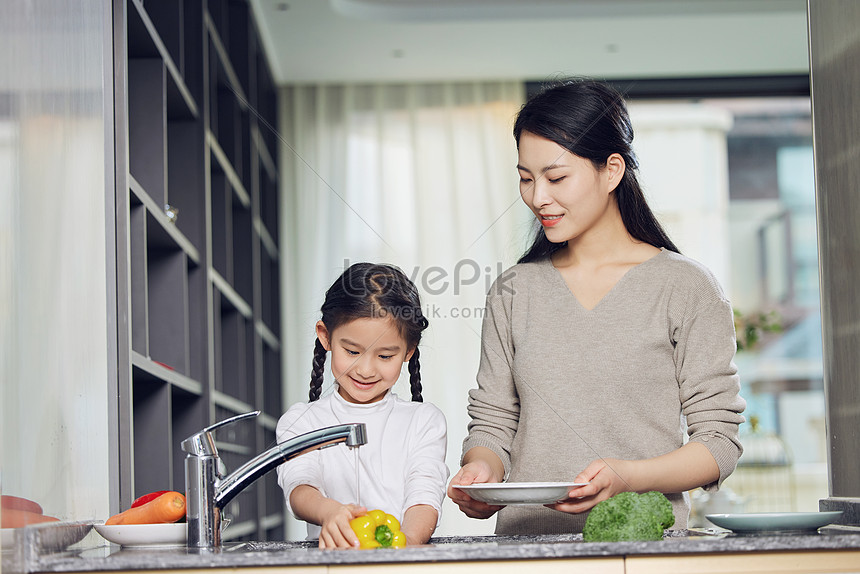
279	545
267	546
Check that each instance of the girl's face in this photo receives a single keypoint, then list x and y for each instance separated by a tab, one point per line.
569	196
366	357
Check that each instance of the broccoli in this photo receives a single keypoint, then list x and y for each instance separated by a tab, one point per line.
629	516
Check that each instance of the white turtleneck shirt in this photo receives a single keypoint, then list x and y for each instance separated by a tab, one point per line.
402	464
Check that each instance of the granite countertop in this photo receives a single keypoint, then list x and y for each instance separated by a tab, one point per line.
33	553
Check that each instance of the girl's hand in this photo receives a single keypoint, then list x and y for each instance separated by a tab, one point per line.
477	471
604	478
336	531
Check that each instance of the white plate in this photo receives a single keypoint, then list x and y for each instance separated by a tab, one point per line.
774	521
510	493
173	534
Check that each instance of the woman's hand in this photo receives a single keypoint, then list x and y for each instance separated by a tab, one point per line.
680	470
476	471
605	479
336	531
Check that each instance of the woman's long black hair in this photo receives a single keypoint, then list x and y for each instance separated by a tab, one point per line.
590	120
368	290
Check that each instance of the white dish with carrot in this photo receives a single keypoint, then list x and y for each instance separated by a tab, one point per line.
144	535
152	520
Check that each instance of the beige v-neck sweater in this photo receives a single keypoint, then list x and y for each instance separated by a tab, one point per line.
648	368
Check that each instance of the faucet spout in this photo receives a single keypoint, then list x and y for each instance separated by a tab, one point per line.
351	435
207	493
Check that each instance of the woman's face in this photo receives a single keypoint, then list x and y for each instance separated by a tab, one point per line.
569	196
366	357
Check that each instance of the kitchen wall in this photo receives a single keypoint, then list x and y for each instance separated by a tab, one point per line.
54	202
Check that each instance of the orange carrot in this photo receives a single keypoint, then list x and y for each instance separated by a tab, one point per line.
18	503
169	507
15	518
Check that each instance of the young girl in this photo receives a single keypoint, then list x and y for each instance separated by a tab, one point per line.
371	323
605	345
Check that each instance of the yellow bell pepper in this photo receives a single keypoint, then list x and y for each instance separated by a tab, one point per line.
376	529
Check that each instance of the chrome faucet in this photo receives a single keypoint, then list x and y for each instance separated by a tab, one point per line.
207	492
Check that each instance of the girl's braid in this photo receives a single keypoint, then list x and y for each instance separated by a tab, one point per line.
415	377
317	371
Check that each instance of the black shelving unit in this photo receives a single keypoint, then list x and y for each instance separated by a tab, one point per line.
198	247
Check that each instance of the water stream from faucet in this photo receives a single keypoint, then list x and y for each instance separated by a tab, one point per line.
355	450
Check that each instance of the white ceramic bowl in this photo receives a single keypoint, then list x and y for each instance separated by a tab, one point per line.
173	534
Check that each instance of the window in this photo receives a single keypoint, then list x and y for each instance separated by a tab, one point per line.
728	167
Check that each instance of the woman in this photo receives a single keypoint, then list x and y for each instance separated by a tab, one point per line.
604	346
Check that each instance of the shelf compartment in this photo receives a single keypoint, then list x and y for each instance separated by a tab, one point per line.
167	287
147	126
227	291
234	351
140	197
266	103
232	231
186	191
138	285
198	324
270	284
238	49
264	155
224	164
167	18
229	113
272	400
219	189
146	369
145	41
242	262
152	436
266	240
217	21
224	123
268	199
191	65
243	152
219	41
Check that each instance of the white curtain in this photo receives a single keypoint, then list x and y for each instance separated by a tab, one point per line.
422	176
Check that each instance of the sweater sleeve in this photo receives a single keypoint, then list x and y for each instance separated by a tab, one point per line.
305	469
494	407
426	471
709	385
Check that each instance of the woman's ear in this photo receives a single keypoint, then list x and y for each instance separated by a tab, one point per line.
322	335
614	170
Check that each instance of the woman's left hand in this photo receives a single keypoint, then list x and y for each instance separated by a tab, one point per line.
605	479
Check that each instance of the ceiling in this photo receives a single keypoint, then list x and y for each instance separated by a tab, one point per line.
365	41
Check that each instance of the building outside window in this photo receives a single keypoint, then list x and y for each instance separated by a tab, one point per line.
732	180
